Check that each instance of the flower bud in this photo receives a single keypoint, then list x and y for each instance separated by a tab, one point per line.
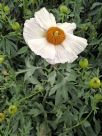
95	83
84	27
15	26
39	88
7	9
2	117
2	59
64	9
83	63
12	109
97	98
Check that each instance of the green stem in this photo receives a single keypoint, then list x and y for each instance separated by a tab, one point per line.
27	97
79	123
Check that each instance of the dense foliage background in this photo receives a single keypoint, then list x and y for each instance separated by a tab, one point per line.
38	99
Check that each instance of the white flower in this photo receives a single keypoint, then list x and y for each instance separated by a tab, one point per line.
53	41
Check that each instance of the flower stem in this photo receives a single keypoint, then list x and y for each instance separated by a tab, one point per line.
27	97
78	124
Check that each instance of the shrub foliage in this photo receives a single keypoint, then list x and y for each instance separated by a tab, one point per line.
39	99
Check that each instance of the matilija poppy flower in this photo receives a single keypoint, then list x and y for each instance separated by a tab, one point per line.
53	41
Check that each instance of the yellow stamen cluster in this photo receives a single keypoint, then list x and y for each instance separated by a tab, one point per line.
55	35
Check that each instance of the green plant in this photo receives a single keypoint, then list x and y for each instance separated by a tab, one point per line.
50	100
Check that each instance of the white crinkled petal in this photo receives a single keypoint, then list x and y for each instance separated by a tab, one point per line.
32	30
42	47
45	19
62	56
67	27
74	44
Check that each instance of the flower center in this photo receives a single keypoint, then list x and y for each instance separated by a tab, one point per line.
55	35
